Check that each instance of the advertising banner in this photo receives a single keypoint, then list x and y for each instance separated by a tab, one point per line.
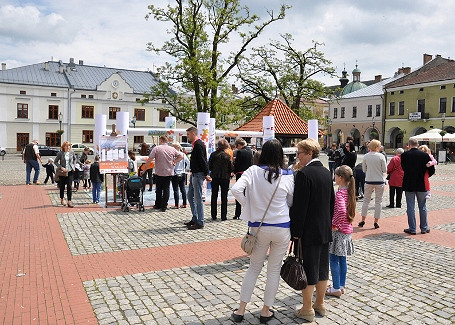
268	126
114	154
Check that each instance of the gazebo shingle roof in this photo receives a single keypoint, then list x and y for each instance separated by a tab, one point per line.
286	121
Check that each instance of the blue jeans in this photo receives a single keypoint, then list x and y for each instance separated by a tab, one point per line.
410	210
339	269
96	191
29	165
195	197
332	167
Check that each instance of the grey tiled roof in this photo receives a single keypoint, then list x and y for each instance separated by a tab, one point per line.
80	77
373	90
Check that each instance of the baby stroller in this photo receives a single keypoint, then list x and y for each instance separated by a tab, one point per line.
132	193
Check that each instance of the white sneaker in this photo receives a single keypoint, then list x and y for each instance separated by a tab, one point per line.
428	196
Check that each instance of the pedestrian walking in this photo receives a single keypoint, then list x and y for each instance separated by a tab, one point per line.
350	156
86	173
311	221
220	168
50	170
331	157
179	179
343	216
359	176
97	179
146	173
66	162
414	164
265	191
31	156
166	157
374	167
395	175
243	160
199	171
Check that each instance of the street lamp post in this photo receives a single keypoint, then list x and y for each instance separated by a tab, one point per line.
443	118
60	119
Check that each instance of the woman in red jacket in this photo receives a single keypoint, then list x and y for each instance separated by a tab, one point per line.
396	174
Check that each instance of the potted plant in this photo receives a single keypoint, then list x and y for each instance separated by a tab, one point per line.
60	132
373	135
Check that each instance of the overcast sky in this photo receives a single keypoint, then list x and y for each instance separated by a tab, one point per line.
380	35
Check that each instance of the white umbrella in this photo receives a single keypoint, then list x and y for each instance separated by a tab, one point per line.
430	136
449	137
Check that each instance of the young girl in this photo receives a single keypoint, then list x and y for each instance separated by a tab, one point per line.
87	181
343	216
432	162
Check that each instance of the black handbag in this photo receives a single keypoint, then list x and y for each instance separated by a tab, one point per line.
292	271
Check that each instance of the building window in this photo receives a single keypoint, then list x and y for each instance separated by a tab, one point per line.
53	112
354	111
53	94
22	110
442	105
378	110
140	114
392	93
87	136
52	139
401	108
23	92
370	111
138	100
342	111
83	96
90	96
453	104
392	108
421	89
443	87
335	112
401	91
138	139
421	105
113	112
87	111
163	115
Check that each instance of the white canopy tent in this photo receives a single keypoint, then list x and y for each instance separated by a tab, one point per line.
430	136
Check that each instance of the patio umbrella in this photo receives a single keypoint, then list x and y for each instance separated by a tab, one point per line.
430	136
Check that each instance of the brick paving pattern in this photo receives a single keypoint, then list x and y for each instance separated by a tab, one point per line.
95	265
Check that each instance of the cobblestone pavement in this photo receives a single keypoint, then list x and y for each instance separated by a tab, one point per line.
95	265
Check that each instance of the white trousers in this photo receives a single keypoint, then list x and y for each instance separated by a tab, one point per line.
277	239
378	189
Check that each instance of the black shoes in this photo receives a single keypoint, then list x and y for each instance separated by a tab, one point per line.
265	319
236	318
361	224
376	226
408	231
189	223
399	206
236	218
425	231
196	226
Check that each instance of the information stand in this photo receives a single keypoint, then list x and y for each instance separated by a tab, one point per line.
114	201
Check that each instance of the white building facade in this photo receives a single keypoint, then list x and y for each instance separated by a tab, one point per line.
38	100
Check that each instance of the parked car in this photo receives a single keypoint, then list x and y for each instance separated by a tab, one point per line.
2	151
188	147
47	151
79	148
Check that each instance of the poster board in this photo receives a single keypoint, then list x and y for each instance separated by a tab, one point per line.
113	154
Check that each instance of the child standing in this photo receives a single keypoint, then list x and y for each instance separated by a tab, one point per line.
343	216
50	170
97	178
432	162
86	169
77	176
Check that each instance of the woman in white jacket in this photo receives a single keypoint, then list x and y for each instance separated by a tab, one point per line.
254	191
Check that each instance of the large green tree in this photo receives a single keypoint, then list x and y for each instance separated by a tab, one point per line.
280	69
198	75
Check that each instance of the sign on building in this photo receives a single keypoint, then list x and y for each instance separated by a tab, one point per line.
414	116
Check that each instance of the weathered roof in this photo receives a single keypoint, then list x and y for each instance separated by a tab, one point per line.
79	77
352	86
286	121
438	69
372	90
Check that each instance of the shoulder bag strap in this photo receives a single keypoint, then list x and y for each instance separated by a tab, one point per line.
268	206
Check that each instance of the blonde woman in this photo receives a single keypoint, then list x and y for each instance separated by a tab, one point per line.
66	162
374	167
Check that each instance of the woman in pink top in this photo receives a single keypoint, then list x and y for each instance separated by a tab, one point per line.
343	215
396	174
432	162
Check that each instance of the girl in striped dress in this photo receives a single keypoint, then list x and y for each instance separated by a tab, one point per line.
343	216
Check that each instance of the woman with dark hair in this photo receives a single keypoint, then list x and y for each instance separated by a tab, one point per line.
265	192
220	170
66	162
350	156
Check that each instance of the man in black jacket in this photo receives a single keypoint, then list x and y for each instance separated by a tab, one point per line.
199	171
414	166
243	160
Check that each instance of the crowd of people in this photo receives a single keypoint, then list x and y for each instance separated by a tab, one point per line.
297	203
